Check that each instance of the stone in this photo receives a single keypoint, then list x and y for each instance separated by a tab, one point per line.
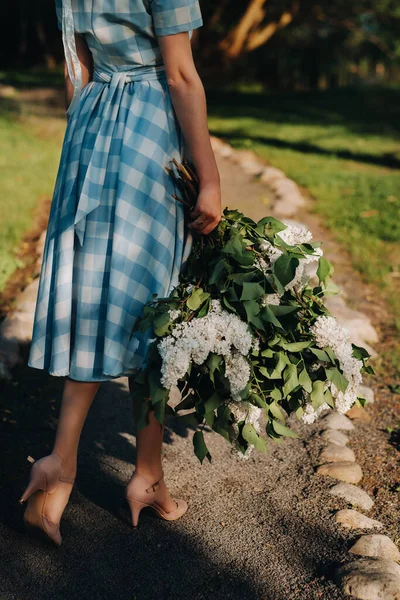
367	393
352	519
376	545
226	151
353	495
334	453
335	420
359	413
359	325
334	436
270	174
26	301
252	167
242	156
345	471
370	579
216	142
17	327
284	188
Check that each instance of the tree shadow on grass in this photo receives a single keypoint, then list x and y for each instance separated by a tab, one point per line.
103	557
388	159
364	112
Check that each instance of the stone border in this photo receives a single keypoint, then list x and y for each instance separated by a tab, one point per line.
376	575
16	328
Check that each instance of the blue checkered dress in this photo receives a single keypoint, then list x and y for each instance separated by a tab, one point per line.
115	234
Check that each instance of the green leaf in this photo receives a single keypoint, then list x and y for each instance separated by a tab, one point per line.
290	378
268	353
213	362
268	316
210	417
360	352
276	394
159	412
195	299
162	323
317	394
200	448
275	409
325	269
337	378
283	430
269	225
257	400
295	346
252	310
328	398
285	268
158	393
305	381
251	436
320	354
217	273
331	289
251	291
212	403
280	311
282	361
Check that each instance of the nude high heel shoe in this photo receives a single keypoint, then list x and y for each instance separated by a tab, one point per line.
45	475
139	494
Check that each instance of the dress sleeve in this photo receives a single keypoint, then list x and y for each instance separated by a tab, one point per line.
59	13
175	16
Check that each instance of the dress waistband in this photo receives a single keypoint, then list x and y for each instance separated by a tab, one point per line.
139	73
112	97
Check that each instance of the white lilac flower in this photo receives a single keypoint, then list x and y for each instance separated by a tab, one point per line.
262	265
219	332
174	314
328	333
271	253
272	299
244	411
310	415
237	370
256	345
295	236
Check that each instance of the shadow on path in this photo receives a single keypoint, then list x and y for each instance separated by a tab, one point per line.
269	547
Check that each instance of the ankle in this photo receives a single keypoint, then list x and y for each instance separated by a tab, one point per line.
68	465
150	474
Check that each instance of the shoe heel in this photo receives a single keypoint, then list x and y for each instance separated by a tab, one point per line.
135	507
37	481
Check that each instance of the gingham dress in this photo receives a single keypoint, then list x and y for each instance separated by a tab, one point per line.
115	235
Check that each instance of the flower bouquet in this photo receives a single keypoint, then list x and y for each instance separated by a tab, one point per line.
245	334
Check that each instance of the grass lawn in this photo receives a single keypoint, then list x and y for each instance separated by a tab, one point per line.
29	153
344	147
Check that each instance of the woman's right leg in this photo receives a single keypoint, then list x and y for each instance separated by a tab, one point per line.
76	400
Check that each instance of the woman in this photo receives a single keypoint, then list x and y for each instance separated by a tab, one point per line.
115	234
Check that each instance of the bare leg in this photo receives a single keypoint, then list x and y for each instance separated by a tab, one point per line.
149	442
76	401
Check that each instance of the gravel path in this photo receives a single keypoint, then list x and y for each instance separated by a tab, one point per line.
256	529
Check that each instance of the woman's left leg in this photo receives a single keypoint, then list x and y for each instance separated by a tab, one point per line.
149	442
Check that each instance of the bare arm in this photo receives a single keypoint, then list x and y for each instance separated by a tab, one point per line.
189	100
86	60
